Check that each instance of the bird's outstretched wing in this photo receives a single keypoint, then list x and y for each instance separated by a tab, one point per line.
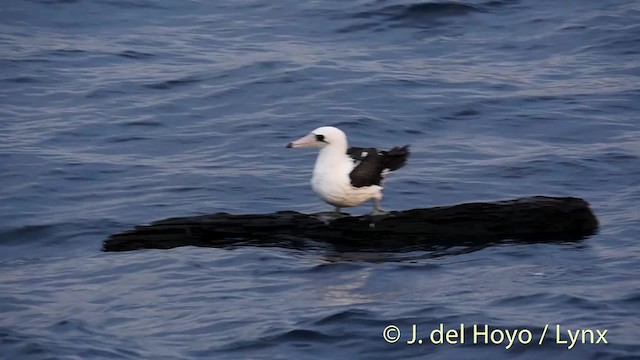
370	165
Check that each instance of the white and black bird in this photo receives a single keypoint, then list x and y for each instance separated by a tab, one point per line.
344	176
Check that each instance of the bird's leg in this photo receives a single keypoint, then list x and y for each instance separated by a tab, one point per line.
339	214
377	210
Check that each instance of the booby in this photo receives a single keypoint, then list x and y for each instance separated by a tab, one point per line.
344	176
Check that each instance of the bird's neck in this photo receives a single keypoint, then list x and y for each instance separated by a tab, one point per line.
332	156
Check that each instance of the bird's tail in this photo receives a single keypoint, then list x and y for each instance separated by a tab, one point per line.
395	158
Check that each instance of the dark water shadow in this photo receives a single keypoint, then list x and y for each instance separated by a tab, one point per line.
419	15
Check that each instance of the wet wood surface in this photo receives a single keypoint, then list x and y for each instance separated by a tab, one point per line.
532	219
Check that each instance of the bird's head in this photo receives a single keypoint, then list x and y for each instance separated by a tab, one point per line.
320	138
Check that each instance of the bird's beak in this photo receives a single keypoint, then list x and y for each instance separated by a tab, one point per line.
304	142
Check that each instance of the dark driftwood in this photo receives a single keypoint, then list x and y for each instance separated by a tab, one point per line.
536	219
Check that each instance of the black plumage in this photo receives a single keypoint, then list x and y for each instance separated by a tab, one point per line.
372	164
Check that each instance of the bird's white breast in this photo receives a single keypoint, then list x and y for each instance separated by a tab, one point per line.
331	181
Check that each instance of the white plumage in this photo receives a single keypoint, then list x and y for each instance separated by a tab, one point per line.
346	177
330	178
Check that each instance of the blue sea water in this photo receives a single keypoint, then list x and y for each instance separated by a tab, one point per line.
120	112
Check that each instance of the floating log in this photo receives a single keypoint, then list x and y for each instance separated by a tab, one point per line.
537	219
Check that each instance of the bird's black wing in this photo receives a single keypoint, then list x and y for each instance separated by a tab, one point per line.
370	164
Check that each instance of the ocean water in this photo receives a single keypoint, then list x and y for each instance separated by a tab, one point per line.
121	112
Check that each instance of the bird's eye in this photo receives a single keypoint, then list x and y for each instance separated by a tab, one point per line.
320	138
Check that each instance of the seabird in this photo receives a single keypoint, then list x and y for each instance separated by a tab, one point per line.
344	176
